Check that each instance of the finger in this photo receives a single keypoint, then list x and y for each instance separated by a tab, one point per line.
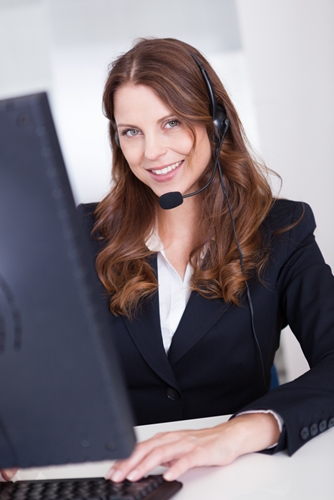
121	468
185	463
160	455
167	464
8	474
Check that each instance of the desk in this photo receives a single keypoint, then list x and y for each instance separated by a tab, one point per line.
307	475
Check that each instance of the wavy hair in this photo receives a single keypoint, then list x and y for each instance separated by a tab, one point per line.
126	216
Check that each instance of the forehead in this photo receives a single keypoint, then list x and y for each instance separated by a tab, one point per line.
138	102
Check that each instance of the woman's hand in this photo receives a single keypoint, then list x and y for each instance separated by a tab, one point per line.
183	450
8	474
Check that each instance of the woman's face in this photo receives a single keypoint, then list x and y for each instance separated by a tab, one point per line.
157	146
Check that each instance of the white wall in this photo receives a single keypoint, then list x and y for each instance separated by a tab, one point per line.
81	37
289	51
24	54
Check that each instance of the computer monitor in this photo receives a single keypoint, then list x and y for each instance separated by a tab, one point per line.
62	394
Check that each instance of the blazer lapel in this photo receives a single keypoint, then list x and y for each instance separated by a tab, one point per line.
198	318
145	331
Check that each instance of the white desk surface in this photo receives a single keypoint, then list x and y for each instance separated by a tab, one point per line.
308	474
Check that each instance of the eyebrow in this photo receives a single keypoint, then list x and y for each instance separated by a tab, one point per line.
135	126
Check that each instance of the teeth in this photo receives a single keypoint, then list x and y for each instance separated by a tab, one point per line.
165	170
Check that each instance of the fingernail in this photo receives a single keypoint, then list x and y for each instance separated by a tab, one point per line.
133	476
8	474
115	475
168	476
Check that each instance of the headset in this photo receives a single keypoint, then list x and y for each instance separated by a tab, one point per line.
171	200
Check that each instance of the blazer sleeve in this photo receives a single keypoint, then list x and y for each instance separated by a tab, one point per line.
305	287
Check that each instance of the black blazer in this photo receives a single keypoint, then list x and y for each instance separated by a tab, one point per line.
213	366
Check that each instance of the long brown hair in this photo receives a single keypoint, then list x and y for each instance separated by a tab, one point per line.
127	215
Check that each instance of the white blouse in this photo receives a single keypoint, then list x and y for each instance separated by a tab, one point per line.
174	292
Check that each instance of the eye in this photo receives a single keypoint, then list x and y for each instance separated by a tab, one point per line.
130	132
172	123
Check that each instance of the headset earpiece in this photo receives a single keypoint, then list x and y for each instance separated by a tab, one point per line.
218	113
117	139
220	122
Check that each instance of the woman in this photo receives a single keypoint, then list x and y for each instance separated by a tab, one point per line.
199	293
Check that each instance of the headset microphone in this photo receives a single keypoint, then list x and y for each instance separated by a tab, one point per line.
171	200
221	123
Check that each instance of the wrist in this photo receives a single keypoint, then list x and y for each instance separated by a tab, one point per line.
254	432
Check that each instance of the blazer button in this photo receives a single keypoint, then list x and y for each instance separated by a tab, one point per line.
172	393
331	422
304	433
314	430
322	426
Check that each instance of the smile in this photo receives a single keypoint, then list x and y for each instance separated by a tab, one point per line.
165	170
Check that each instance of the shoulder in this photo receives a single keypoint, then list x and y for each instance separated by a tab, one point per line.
286	216
86	213
87	210
288	233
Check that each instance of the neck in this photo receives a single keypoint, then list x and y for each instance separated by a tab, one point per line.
183	216
178	231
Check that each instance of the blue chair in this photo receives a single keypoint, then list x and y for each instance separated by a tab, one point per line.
274	378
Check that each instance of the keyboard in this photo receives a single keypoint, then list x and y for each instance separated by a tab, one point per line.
148	488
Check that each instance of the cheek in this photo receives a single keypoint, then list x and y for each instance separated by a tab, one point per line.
133	156
202	154
183	143
137	170
135	165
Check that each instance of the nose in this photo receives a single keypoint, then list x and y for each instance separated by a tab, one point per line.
155	146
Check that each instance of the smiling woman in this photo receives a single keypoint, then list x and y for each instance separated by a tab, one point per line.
159	149
198	294
155	84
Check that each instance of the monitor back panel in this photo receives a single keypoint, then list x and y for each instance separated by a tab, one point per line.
62	394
